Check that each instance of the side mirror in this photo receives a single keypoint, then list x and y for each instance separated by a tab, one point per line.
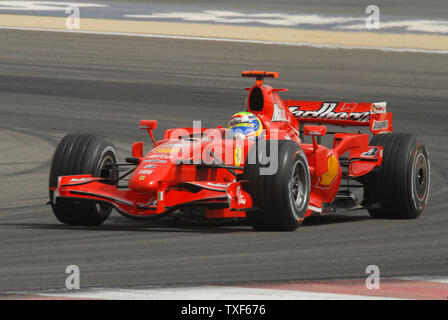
149	125
315	130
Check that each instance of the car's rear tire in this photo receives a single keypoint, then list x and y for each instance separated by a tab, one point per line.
400	188
81	154
281	195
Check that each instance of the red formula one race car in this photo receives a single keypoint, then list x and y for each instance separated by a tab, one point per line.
259	167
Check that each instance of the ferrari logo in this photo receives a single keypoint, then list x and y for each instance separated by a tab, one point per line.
237	155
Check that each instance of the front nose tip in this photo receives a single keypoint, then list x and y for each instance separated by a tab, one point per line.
152	185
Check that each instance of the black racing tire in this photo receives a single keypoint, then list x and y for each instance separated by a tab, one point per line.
81	154
281	195
399	189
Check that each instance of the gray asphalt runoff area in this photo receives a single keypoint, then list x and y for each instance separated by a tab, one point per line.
56	83
413	9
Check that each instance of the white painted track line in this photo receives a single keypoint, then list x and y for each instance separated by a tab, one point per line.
207	293
415	287
424	279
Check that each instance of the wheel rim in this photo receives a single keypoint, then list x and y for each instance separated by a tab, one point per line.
420	176
298	186
105	170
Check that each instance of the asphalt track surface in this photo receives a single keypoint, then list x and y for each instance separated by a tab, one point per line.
52	84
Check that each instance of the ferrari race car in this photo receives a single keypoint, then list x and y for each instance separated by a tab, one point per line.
275	179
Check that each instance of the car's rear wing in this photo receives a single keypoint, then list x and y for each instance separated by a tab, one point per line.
371	115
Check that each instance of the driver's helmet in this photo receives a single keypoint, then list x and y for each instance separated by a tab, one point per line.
245	125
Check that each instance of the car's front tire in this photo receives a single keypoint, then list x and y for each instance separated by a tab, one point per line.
400	188
81	154
282	195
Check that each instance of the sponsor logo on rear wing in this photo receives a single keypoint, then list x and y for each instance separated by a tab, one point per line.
373	114
330	111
